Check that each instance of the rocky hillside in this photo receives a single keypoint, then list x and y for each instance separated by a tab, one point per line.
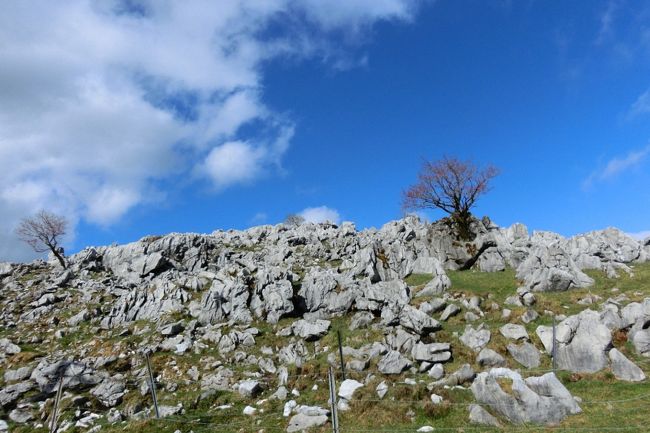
241	327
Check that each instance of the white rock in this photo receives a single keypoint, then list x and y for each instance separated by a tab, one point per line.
288	407
348	387
382	389
249	410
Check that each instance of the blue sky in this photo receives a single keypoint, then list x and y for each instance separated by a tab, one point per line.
166	118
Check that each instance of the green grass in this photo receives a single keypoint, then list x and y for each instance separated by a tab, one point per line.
415	280
607	402
497	285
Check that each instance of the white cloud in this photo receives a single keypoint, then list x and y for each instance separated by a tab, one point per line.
102	99
320	214
234	162
617	165
259	218
641	105
607	19
109	203
642	235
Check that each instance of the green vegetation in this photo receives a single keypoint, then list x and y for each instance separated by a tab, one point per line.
606	402
415	280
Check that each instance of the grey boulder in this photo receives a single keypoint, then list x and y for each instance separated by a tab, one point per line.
109	392
475	339
526	354
301	422
393	363
538	400
623	368
310	330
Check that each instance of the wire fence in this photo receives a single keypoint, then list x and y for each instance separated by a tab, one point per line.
268	418
272	421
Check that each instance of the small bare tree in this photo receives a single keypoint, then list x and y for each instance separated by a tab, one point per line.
451	185
43	233
294	220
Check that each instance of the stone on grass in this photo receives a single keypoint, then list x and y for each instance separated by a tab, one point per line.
393	363
526	354
437	371
382	389
623	368
348	387
478	415
249	388
514	332
450	311
475	339
301	422
310	330
537	400
490	358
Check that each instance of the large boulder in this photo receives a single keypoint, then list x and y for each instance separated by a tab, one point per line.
538	400
310	330
549	268
432	266
597	249
623	368
393	363
582	342
475	339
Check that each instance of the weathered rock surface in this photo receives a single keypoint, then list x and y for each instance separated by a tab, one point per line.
526	354
537	400
198	295
623	368
393	363
475	339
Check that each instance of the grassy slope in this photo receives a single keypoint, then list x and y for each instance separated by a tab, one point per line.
607	403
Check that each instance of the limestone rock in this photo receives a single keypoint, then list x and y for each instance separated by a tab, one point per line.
249	388
348	387
110	392
450	311
310	330
623	368
490	358
475	339
478	415
538	400
526	354
393	363
302	422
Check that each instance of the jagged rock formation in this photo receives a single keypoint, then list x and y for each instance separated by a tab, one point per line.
217	296
538	400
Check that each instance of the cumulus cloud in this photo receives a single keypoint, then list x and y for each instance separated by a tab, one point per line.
234	162
100	100
617	165
642	235
320	214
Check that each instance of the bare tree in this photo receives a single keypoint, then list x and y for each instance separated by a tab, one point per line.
294	219
43	233
451	185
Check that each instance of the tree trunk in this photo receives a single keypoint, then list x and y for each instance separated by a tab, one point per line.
59	257
468	264
463	222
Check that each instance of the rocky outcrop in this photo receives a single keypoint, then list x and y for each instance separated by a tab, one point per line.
246	308
550	268
538	400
